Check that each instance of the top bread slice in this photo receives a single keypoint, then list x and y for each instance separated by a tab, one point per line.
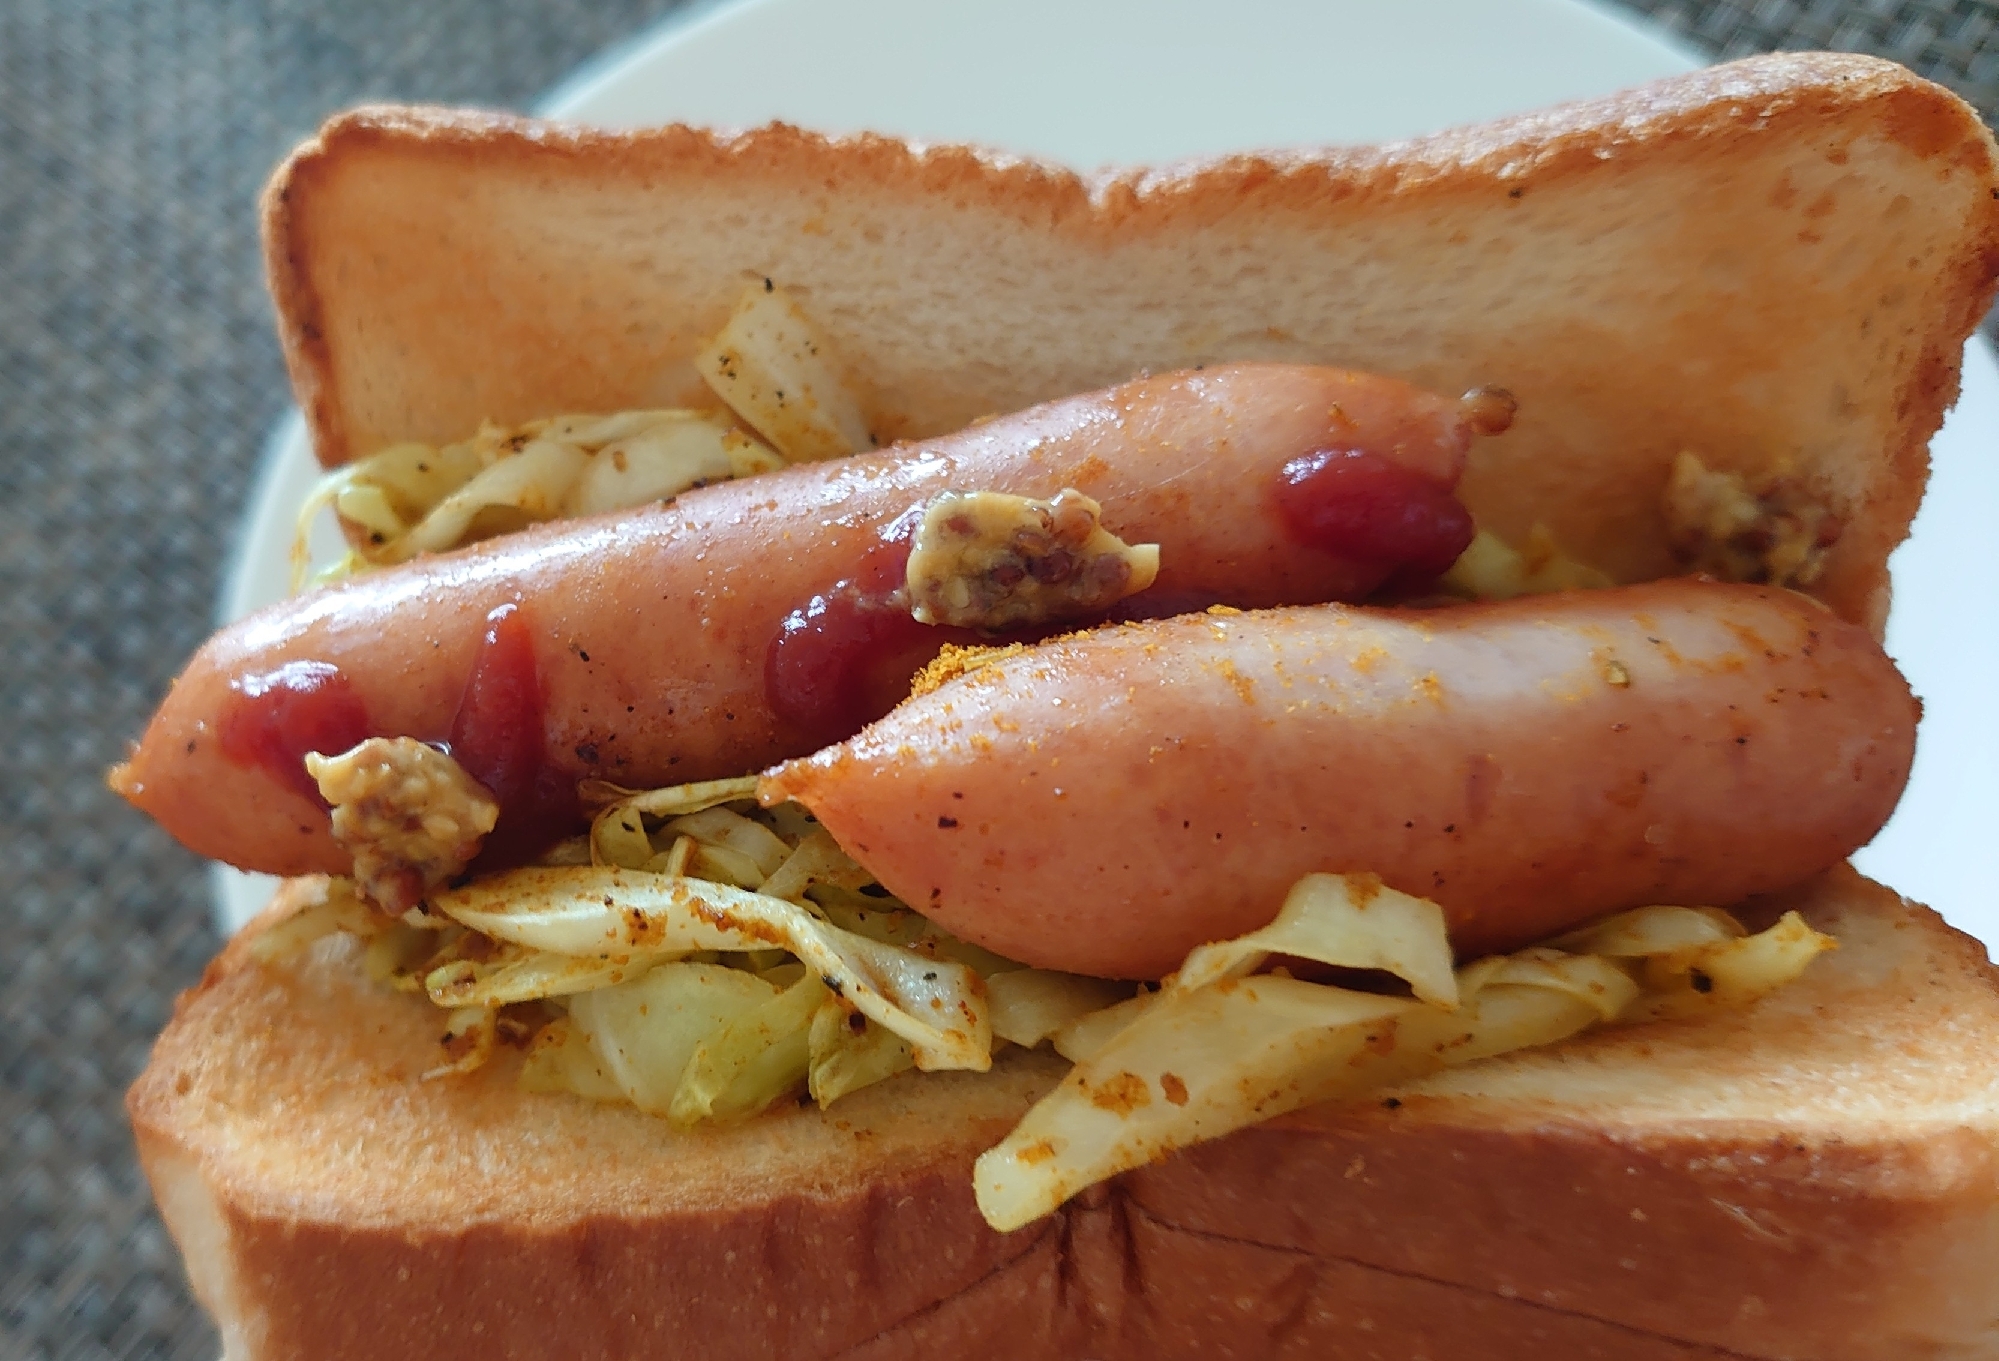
1773	263
1815	1177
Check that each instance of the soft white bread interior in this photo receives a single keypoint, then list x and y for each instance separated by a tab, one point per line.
1773	263
1817	1176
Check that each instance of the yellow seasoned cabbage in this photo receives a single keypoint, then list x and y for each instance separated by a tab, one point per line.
775	370
1220	1047
709	998
849	1052
769	366
645	1032
415	498
741	1067
560	1059
1031	1005
937	1004
1490	570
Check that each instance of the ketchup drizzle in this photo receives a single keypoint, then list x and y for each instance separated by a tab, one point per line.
274	718
844	658
1372	511
497	736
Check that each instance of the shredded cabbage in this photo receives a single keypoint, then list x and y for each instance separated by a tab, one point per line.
1490	570
1031	1005
513	974
414	498
560	1059
336	907
741	1067
646	1031
699	998
775	370
1219	1047
1351	921
469	1036
938	1005
850	1052
769	366
1727	974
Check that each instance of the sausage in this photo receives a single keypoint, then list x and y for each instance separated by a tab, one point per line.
641	647
1105	802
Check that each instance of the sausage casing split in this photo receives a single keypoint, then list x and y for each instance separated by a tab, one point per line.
650	629
1105	802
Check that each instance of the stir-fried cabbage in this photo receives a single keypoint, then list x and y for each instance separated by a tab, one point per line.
850	1052
1350	921
512	974
739	1068
656	975
414	498
1221	1047
714	956
1032	1005
937	1004
469	1036
1489	569
775	370
647	1031
336	907
768	367
561	1058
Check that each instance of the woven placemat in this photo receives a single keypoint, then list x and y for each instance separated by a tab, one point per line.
138	375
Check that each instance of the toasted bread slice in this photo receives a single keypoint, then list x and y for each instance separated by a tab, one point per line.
1773	264
1817	1176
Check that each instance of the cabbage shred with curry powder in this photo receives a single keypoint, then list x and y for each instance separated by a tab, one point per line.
700	957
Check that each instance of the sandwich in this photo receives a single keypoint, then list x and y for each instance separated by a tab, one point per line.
1357	870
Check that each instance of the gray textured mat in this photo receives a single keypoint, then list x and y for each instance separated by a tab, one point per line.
137	378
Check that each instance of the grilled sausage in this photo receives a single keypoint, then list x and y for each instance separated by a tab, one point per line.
735	626
1105	802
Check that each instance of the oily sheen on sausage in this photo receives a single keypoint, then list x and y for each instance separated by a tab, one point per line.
642	647
1105	802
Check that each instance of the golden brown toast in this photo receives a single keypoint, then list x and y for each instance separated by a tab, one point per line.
1817	1176
1773	263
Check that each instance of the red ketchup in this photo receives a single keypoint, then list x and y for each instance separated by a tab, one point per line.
845	657
497	736
1373	512
272	720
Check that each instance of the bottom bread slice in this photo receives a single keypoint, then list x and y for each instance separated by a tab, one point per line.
1814	1177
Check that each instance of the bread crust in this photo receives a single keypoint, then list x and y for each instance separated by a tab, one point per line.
1816	1177
1774	263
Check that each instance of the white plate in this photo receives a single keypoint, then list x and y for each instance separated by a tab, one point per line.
1148	80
